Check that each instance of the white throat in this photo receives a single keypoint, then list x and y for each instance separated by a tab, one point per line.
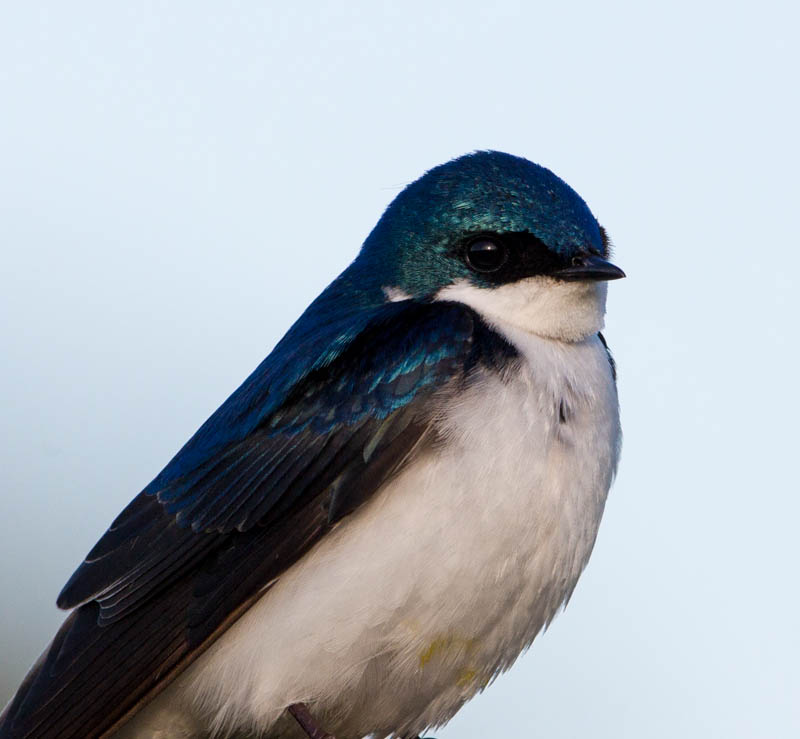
553	309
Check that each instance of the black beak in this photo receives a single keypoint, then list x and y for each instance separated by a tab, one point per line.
588	267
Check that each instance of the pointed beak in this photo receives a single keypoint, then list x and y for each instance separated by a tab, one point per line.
589	267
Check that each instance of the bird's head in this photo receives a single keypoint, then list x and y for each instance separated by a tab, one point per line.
501	234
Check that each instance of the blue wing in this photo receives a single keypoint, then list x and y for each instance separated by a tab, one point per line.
326	419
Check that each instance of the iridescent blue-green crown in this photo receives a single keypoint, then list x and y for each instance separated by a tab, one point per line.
485	191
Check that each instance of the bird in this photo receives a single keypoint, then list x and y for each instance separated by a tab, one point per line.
387	511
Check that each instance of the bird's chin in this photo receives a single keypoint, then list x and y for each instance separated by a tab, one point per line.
564	311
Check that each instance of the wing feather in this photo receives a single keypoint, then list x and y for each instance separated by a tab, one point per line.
191	552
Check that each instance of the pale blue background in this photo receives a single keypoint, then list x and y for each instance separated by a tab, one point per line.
180	179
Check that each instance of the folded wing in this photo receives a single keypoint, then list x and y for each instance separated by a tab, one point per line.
307	439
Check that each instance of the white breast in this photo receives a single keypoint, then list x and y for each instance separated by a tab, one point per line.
412	604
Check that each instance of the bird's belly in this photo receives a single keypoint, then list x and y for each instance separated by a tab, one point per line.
414	602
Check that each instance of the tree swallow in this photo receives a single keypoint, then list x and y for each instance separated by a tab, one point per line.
386	512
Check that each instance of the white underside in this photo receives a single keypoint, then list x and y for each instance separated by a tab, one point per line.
411	605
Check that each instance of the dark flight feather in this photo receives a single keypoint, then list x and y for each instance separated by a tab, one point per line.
311	435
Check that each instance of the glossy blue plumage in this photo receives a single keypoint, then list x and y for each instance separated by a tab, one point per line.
404	349
485	191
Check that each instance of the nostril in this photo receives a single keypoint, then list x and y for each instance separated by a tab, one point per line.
577	261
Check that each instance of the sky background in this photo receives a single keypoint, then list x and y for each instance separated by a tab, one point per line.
180	179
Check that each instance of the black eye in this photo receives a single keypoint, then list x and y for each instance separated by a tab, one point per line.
486	255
